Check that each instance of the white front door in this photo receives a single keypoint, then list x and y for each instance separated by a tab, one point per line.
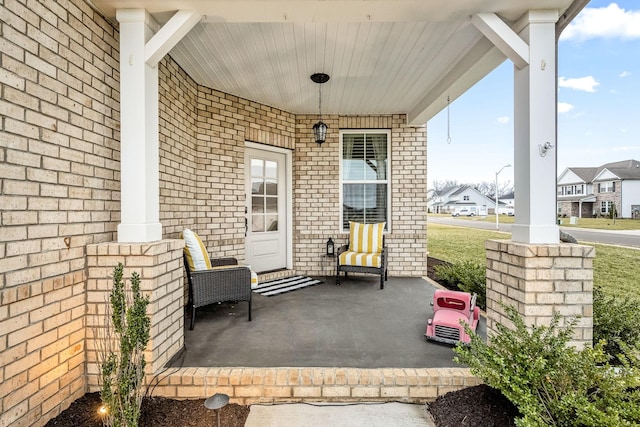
266	209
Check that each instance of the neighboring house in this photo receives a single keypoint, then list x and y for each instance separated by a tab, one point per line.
588	192
452	200
507	204
436	199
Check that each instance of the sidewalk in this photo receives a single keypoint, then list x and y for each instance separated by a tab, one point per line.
598	230
340	415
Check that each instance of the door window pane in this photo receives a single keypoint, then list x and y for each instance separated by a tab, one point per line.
257	186
272	222
264	199
271	205
271	187
257	167
257	205
271	169
257	223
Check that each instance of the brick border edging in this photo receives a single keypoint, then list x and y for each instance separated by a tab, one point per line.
269	385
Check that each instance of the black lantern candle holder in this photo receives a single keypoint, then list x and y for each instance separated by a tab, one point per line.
330	247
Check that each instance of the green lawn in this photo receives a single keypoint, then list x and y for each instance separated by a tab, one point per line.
597	223
616	269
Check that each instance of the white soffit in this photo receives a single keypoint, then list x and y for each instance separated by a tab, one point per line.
383	56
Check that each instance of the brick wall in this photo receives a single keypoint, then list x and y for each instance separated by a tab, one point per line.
539	280
179	197
159	265
317	200
224	123
212	156
608	196
59	191
202	140
407	245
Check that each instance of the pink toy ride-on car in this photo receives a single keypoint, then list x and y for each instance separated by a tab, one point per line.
449	308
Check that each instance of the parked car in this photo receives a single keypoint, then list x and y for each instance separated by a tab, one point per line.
449	309
463	212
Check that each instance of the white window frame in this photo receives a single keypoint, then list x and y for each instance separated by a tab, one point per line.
605	206
607	187
388	174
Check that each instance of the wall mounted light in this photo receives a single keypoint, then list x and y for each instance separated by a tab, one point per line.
544	148
320	128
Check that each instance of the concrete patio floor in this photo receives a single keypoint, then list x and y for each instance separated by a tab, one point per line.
352	325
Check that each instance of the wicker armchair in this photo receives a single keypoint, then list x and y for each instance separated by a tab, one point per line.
357	259
226	281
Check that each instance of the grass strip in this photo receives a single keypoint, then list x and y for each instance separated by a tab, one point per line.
616	269
595	223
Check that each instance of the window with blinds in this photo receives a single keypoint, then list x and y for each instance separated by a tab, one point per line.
364	172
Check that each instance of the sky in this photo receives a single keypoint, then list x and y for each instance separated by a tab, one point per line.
598	104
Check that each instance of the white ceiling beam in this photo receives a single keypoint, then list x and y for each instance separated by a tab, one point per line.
503	37
169	35
483	58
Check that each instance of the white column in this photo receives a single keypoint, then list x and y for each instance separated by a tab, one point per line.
535	127
139	152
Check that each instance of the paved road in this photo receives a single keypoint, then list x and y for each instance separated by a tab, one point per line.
584	235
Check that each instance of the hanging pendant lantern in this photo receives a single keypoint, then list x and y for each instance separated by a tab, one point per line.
320	128
320	132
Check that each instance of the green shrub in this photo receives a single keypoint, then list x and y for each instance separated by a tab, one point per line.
122	357
551	383
467	276
615	321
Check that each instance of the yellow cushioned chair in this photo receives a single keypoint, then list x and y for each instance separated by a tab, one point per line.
214	280
365	253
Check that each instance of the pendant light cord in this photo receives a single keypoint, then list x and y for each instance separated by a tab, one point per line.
448	121
320	101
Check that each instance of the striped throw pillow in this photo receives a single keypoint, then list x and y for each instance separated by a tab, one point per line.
365	238
196	252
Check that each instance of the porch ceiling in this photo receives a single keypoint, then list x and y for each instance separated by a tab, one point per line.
383	56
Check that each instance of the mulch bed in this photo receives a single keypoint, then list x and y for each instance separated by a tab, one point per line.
480	405
474	406
156	412
431	264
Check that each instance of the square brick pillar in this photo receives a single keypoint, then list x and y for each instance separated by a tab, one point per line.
159	265
540	279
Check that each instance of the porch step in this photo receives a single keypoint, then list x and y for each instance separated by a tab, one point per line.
273	275
247	386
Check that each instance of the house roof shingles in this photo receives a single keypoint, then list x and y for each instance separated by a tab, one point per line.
625	169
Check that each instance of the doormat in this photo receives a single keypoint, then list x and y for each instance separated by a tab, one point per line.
287	284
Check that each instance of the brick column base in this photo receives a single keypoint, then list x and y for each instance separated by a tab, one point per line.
161	272
539	280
